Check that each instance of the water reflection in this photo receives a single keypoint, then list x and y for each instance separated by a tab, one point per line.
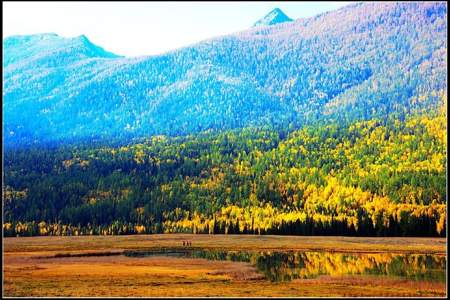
288	266
285	266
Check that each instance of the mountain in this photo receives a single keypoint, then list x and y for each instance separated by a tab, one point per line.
362	61
38	49
276	16
331	125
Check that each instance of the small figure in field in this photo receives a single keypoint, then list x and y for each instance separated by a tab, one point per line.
183	243
190	243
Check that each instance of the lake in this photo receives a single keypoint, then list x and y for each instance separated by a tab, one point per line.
286	266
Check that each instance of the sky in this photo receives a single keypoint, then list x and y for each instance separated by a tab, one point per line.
146	28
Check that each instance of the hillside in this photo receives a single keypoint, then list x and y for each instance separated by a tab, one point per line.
372	178
359	62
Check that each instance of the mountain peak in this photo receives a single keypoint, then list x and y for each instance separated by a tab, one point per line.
83	38
276	16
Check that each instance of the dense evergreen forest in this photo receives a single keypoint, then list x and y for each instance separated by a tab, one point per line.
381	177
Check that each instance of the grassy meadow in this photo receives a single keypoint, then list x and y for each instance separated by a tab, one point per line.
61	266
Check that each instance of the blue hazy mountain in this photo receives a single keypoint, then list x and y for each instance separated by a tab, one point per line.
359	62
23	51
276	16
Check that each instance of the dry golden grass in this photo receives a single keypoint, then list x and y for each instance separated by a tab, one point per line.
27	275
232	242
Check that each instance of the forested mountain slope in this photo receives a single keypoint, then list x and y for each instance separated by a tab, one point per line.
362	61
378	177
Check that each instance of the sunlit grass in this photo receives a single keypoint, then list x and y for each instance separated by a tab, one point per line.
111	275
